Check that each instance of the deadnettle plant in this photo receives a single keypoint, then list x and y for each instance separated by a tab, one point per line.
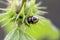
21	21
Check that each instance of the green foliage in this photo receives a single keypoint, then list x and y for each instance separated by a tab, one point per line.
17	26
17	34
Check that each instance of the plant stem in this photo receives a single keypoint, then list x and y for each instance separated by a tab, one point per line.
23	3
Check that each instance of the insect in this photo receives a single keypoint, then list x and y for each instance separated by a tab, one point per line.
32	19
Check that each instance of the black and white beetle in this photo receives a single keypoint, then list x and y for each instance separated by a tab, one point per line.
32	19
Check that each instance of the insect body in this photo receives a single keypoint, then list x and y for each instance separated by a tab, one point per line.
32	19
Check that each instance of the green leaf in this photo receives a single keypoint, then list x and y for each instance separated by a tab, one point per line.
16	34
11	34
2	15
41	29
25	36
